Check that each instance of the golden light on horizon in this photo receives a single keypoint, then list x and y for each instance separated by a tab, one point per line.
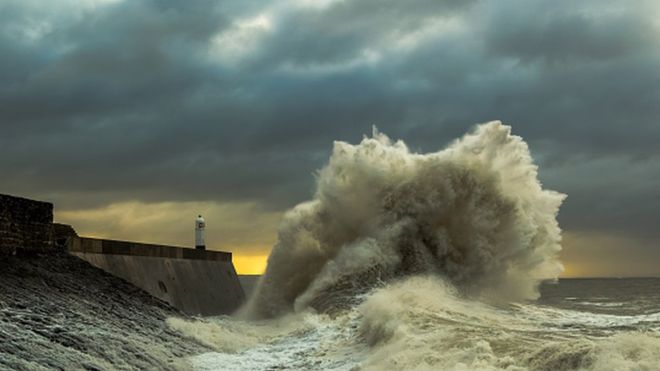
598	254
250	264
238	227
241	228
572	270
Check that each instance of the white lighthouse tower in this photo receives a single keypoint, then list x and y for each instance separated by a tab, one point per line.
200	224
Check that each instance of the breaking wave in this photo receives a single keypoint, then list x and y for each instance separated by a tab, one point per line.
474	214
423	323
423	262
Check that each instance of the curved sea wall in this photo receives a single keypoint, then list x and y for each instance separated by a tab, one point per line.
198	282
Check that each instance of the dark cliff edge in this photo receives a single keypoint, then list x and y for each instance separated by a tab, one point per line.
59	312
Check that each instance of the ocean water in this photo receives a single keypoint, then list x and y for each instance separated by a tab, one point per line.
409	261
421	323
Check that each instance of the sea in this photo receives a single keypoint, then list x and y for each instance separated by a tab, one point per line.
431	261
422	323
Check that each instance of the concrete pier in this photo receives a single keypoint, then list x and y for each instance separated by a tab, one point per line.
198	282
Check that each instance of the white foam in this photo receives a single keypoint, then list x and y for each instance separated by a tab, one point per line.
474	213
423	323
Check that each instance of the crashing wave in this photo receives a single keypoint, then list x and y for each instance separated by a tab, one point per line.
474	214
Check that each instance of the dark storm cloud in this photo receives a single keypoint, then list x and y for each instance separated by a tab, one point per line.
567	32
345	29
205	100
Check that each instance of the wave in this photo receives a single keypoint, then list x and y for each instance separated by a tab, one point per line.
425	323
398	261
473	213
407	326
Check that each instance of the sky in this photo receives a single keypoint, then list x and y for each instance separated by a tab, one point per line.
135	116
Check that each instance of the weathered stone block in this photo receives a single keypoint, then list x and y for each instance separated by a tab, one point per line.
25	225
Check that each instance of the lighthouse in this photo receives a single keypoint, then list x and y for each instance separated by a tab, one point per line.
200	224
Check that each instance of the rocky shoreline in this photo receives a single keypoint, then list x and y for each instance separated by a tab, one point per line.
59	312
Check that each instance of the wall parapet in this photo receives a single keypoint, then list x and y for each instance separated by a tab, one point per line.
115	247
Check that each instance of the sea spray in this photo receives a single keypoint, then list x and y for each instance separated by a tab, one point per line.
423	323
399	250
473	213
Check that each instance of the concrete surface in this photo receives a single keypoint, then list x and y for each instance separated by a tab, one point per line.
195	286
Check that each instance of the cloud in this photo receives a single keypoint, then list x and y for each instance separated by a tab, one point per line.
566	32
616	194
345	31
152	101
603	254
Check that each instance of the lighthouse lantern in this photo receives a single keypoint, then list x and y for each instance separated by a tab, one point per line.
200	224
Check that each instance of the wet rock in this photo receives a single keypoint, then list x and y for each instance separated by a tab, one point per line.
59	312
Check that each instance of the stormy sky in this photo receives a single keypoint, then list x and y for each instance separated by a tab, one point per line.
133	116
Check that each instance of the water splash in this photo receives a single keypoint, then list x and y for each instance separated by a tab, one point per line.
474	214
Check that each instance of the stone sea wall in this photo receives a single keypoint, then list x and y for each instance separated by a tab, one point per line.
25	225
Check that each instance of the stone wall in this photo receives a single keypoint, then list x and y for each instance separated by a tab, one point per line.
25	225
63	234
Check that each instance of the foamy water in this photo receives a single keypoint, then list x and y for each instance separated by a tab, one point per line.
427	262
421	324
